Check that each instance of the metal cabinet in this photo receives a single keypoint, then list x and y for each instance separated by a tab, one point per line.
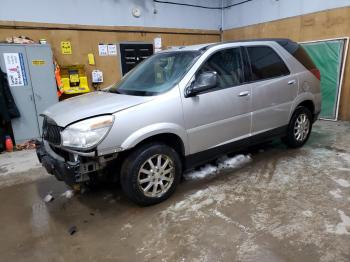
31	78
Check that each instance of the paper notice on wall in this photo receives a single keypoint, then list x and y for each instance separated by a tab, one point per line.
97	76
112	49
102	50
91	59
15	69
156	50
157	43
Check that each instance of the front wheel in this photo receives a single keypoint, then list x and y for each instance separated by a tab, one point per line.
299	128
150	173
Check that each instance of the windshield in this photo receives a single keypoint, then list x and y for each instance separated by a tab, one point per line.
157	74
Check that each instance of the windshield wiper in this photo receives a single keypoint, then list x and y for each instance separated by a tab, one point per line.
115	91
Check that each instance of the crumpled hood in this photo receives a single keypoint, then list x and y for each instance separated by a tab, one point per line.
92	104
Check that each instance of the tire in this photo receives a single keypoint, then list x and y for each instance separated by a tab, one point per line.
299	128
146	185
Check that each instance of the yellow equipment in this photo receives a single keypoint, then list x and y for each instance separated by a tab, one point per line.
74	79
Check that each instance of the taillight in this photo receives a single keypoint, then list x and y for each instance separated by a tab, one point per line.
316	73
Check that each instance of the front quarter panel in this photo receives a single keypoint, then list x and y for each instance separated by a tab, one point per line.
131	126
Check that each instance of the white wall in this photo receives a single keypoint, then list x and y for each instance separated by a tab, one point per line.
260	11
113	13
118	12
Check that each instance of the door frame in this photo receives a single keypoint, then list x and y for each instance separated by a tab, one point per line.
342	69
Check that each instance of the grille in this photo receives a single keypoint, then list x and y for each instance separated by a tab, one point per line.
66	155
51	131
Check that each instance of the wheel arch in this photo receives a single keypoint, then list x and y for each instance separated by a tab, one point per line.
170	134
308	104
305	101
170	139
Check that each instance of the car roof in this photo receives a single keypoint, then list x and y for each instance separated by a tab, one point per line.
190	47
204	47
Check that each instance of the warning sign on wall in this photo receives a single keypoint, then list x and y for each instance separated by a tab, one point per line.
15	69
66	48
38	62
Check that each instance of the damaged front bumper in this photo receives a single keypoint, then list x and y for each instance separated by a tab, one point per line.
75	169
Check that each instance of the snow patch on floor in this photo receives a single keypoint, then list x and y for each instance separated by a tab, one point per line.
18	162
222	163
336	193
342	182
203	172
342	228
68	194
229	220
195	202
126	226
237	161
343	169
307	213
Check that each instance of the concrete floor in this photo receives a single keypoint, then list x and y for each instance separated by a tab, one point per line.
285	205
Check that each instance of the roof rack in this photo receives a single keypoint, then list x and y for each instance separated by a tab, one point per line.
281	41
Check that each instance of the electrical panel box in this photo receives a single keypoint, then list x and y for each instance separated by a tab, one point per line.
31	77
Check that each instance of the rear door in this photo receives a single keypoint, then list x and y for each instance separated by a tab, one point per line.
273	88
222	114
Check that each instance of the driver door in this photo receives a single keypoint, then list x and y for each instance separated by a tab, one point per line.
222	114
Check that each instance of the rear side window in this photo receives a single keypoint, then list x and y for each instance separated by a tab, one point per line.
298	52
301	55
265	63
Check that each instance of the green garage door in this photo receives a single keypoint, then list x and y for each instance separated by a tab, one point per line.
328	57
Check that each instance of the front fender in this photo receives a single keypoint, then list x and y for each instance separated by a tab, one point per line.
155	129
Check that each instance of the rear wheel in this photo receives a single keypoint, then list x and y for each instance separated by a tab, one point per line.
299	128
150	173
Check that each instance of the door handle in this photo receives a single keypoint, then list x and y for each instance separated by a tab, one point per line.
292	82
244	93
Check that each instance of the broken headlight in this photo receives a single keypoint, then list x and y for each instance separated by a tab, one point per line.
87	133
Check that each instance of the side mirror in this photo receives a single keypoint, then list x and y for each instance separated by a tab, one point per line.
204	82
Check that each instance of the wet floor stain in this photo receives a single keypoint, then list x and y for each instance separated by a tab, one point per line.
277	207
3	169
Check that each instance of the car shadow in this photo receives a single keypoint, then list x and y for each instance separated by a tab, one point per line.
107	201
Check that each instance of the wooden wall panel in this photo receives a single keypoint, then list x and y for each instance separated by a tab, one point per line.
322	25
85	39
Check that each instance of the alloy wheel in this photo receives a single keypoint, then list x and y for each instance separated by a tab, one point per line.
156	175
301	127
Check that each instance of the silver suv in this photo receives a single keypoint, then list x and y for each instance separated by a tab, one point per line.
179	109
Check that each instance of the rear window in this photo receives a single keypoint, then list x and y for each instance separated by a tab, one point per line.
266	63
299	53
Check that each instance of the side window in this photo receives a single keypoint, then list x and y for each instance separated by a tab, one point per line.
227	64
266	63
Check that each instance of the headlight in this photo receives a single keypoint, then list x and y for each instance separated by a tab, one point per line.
87	133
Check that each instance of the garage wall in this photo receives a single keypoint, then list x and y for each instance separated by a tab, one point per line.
87	23
261	11
85	39
320	25
113	13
